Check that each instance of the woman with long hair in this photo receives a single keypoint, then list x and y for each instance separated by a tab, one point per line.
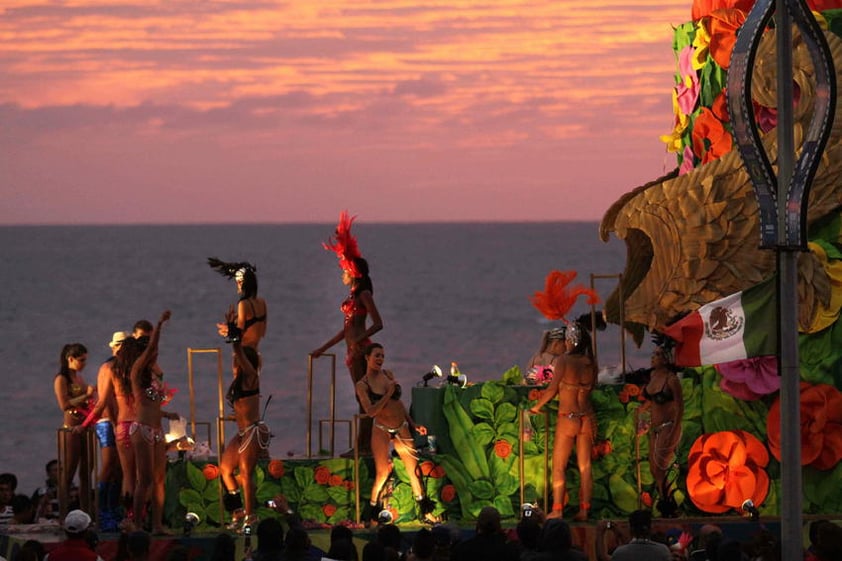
660	416
72	395
357	308
574	380
149	394
540	367
380	395
252	436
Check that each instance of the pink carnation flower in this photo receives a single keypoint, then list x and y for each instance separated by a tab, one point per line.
751	378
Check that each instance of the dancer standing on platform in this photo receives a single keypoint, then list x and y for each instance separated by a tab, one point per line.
72	395
574	378
105	411
149	394
380	396
661	416
251	312
252	436
357	308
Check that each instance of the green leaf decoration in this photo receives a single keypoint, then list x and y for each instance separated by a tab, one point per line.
482	434
304	476
505	413
190	497
509	431
290	489
211	515
493	392
268	490
503	504
340	495
460	435
314	494
312	512
512	376
211	493
482	489
482	408
195	477
623	494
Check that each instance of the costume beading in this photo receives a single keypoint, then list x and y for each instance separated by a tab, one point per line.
259	428
152	435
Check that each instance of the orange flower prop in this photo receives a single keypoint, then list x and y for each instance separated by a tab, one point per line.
623	396
725	469
427	467
633	390
702	8
723	26
276	468
321	475
210	471
348	484
821	426
448	493
534	395
329	510
335	481
710	139
646	499
437	472
502	448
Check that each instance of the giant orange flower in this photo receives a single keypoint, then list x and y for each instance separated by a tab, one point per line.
710	139
725	469
821	426
210	471
321	475
502	448
276	468
723	26
702	8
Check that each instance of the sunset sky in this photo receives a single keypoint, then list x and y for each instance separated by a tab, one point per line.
199	111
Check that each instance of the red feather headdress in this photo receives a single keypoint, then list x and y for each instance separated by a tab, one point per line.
558	298
344	244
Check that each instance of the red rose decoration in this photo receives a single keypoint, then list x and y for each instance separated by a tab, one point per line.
448	493
322	475
821	426
502	448
427	467
623	396
632	389
534	395
348	484
335	481
725	469
329	510
276	469
437	472
646	499
210	471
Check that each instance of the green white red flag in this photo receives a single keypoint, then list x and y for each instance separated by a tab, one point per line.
742	325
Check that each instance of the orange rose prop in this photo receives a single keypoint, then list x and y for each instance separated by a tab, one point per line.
322	475
448	493
725	469
427	468
329	510
821	426
502	448
210	471
335	481
437	472
276	469
534	395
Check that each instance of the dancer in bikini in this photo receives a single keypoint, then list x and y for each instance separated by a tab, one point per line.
660	416
357	308
540	368
380	396
149	394
251	311
253	436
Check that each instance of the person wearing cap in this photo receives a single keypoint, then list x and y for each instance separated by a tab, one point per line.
75	545
104	413
489	543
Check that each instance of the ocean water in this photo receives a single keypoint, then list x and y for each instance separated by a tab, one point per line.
446	292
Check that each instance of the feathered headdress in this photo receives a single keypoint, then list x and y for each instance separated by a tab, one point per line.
231	270
344	244
558	298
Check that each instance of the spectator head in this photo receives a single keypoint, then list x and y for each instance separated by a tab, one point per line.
829	541
730	550
76	523
342	549
390	536
374	551
528	532
556	536
640	523
8	485
424	544
23	509
51	469
137	545
488	521
270	535
142	328
297	539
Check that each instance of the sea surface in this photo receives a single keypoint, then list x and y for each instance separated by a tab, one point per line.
446	292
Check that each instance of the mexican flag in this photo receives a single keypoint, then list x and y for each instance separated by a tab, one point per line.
742	325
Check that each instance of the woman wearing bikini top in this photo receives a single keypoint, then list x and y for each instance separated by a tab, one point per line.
664	407
379	394
252	436
149	394
251	310
575	377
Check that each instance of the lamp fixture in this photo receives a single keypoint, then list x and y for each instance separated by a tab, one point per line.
435	372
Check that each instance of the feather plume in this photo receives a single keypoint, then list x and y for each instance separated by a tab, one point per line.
344	244
229	269
558	297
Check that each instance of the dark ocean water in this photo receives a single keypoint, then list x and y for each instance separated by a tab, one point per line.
447	292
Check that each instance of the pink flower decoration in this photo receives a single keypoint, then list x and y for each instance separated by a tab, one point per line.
751	378
687	163
688	89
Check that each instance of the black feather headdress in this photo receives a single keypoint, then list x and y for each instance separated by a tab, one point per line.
230	269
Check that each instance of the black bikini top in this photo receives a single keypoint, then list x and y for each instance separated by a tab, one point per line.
661	397
254	319
375	397
236	391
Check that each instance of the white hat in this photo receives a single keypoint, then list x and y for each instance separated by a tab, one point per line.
117	338
76	521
